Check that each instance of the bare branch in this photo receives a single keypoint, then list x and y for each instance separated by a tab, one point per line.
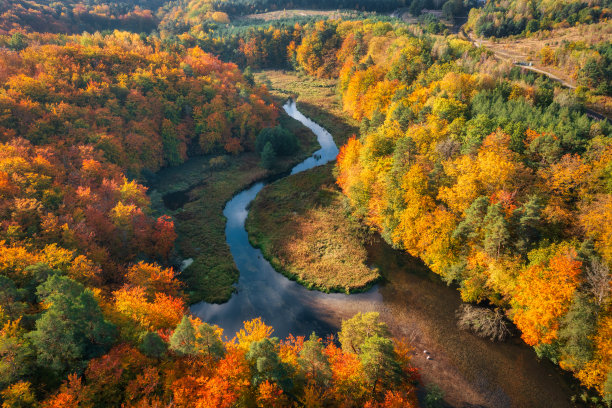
483	322
598	281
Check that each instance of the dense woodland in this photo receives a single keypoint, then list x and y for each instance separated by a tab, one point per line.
87	301
495	18
79	117
496	178
504	18
74	16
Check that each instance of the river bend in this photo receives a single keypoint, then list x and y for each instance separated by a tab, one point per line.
414	303
263	292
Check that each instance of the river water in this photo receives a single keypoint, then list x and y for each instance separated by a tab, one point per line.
411	301
263	292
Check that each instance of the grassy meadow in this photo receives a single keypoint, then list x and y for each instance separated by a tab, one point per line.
305	14
302	226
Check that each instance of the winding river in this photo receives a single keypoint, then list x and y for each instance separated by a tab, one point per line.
263	292
415	305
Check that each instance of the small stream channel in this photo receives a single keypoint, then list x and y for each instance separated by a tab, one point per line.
415	305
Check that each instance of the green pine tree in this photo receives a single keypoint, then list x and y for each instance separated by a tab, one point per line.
268	156
152	345
72	330
183	340
314	362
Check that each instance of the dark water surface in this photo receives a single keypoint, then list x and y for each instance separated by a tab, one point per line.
413	303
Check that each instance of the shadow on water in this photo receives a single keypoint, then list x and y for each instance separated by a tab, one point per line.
414	303
417	305
262	292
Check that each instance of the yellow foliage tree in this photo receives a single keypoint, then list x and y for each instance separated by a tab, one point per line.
544	292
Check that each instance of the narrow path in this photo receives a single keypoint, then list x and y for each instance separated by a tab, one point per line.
523	64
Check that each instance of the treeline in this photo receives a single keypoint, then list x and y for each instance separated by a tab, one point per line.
212	17
120	94
242	7
68	16
185	363
250	46
182	16
493	19
255	45
495	178
502	19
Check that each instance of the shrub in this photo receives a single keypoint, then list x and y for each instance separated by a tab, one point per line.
434	397
218	163
483	322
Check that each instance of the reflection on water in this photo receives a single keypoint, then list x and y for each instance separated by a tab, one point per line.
413	304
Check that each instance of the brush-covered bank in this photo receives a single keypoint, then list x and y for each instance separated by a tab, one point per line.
302	226
195	193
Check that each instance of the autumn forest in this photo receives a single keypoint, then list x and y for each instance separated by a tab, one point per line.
474	141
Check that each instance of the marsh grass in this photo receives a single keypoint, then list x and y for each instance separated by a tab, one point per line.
316	98
200	223
300	222
303	228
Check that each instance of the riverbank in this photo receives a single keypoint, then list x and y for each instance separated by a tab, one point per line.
302	229
411	300
286	216
472	372
195	194
317	98
201	188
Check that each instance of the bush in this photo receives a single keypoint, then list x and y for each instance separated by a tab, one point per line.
18	42
434	397
152	345
483	322
218	163
282	141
